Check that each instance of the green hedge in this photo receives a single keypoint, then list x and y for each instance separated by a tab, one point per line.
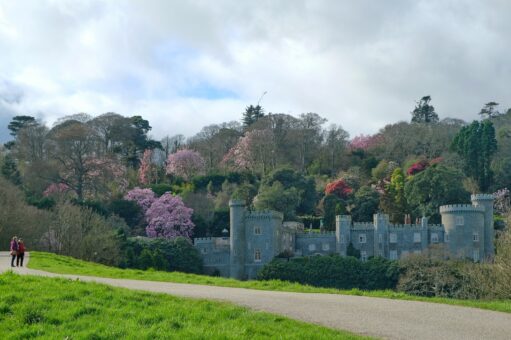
334	272
161	254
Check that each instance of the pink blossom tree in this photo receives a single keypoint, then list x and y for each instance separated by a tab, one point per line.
56	189
365	142
252	152
168	217
143	197
185	163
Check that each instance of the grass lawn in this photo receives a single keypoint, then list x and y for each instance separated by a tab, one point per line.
59	308
68	265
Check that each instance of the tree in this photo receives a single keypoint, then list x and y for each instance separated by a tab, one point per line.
19	122
168	217
143	197
185	163
338	188
252	114
366	204
476	144
147	172
424	112
437	185
336	140
277	197
489	110
252	152
393	201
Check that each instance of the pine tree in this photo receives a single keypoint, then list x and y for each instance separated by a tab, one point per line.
252	114
424	112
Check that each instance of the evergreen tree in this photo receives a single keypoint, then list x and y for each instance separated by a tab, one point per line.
10	170
424	112
252	114
393	201
476	144
490	110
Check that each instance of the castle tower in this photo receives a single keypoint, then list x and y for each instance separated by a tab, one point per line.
464	230
486	201
342	233
237	236
381	231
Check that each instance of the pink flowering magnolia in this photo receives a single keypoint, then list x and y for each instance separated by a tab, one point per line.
56	189
253	149
365	142
145	170
143	197
168	217
185	163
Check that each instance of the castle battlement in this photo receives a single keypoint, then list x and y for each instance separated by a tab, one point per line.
403	226
203	239
481	197
314	234
266	214
460	207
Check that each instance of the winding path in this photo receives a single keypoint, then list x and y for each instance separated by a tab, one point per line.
384	318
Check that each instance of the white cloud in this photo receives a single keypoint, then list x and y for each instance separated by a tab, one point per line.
360	64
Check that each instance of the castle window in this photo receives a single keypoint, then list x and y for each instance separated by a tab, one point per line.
325	247
363	255
342	239
393	254
416	237
257	255
362	238
204	250
393	238
475	237
257	230
446	237
475	255
460	220
312	247
434	238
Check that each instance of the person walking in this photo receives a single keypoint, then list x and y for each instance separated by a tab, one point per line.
21	253
14	249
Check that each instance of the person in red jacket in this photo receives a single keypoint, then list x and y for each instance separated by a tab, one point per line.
21	253
14	249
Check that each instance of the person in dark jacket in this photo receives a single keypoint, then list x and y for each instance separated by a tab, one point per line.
21	253
14	249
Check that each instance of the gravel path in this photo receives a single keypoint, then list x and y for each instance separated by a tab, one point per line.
384	318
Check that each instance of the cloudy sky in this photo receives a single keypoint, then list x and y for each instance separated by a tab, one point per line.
186	64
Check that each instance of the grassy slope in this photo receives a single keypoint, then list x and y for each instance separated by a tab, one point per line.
67	265
52	308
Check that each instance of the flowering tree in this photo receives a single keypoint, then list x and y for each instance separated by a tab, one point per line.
252	152
338	188
56	189
185	163
168	217
143	197
417	167
146	167
365	142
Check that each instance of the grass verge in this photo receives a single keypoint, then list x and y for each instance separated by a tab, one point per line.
68	265
32	307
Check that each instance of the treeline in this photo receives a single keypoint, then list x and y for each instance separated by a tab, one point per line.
301	166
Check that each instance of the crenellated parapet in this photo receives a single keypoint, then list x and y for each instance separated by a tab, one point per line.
405	226
328	234
203	240
460	208
264	215
482	197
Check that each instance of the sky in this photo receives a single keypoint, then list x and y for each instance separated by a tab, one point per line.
186	64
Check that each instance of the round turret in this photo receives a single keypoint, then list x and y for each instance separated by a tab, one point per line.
237	238
464	230
486	201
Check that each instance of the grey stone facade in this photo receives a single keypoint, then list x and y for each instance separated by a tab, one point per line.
257	237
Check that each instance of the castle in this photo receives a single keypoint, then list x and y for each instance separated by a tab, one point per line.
257	237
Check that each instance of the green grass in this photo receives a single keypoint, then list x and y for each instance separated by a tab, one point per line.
57	308
67	265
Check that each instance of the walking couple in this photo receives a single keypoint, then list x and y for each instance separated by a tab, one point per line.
17	252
